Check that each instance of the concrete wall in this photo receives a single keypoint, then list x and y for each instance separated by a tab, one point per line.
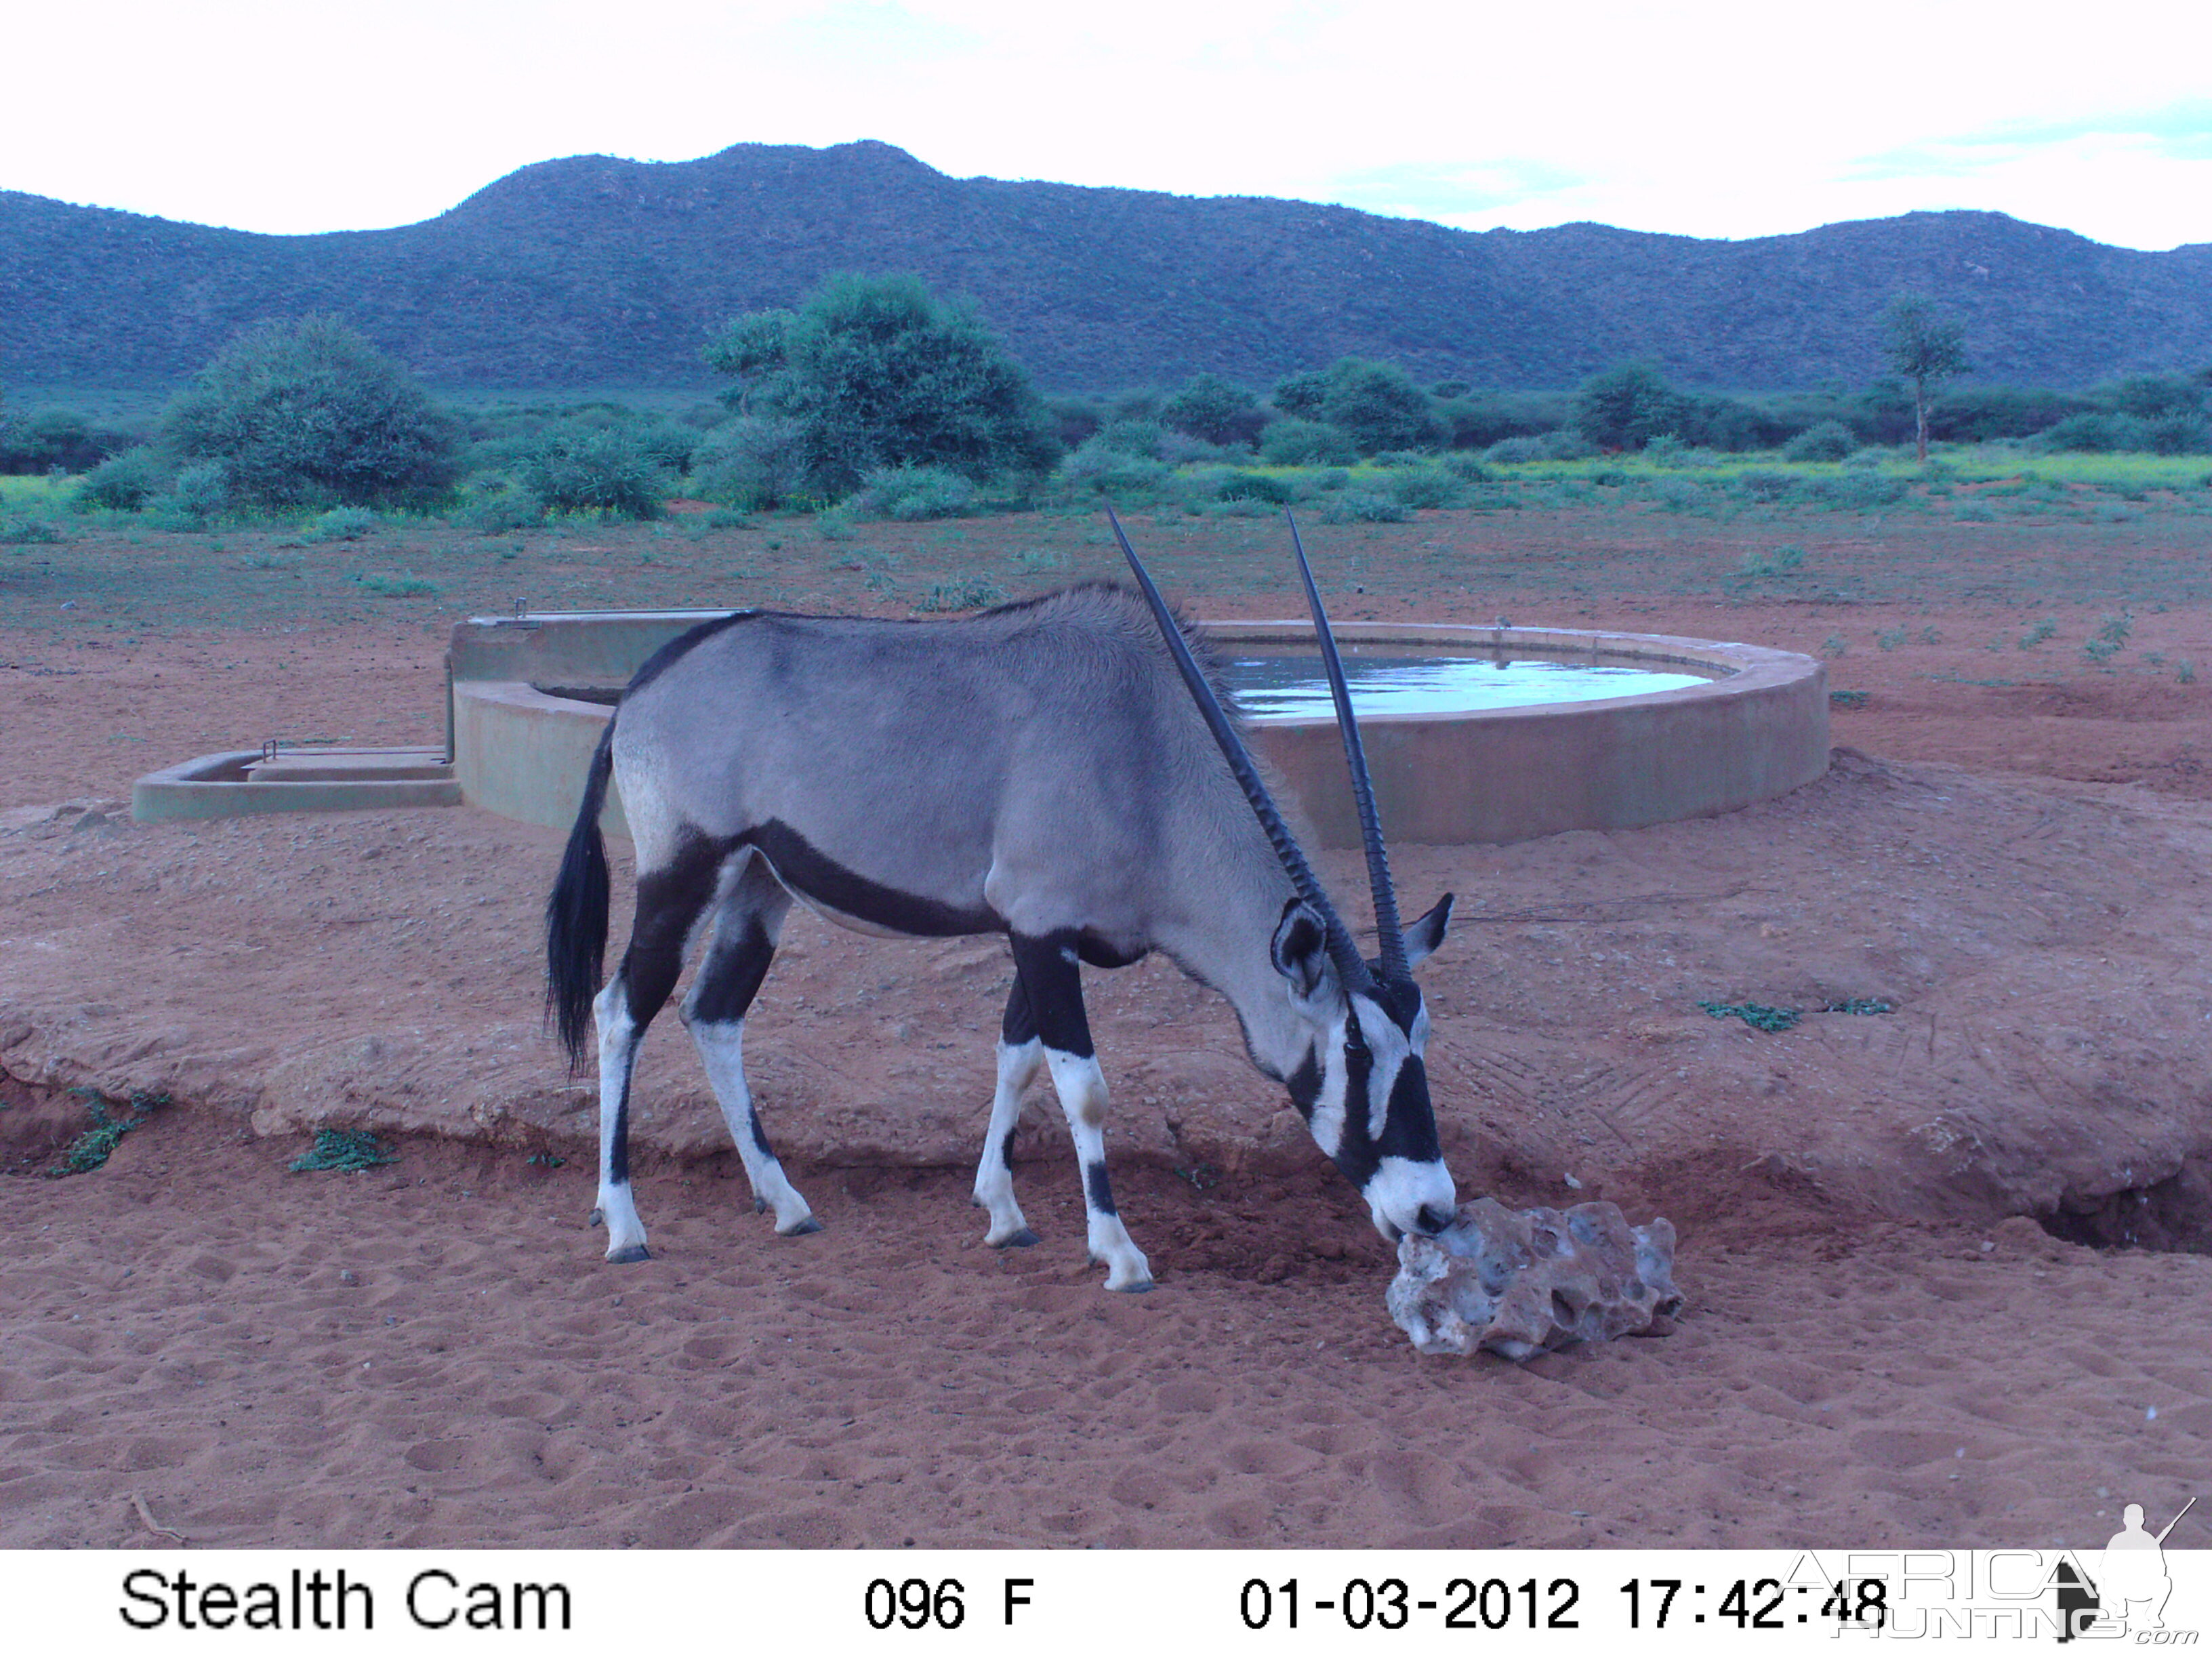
1507	774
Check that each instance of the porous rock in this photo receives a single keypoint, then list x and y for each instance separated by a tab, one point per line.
1518	1282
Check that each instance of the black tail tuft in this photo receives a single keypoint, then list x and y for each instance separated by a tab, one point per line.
576	914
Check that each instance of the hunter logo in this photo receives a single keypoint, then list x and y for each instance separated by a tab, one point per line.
2128	1594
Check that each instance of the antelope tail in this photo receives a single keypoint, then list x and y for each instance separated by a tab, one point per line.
576	914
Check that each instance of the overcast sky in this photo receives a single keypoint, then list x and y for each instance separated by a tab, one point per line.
1708	118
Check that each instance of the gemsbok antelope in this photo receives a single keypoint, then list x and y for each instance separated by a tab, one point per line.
1050	770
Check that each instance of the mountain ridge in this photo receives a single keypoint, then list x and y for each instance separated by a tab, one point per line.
595	271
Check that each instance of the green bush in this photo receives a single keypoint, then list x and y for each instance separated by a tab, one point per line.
19	531
878	371
1515	452
969	593
56	439
1858	492
911	494
1210	408
1977	414
1375	405
1831	440
1140	438
1479	420
1364	506
1424	487
1098	468
491	505
198	496
124	482
343	524
1627	407
307	413
1298	442
1256	487
756	462
607	471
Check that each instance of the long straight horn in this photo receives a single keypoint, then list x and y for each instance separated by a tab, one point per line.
1349	966
1391	937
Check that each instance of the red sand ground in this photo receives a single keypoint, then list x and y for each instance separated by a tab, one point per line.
432	1353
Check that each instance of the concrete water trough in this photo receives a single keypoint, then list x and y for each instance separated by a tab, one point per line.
276	778
529	696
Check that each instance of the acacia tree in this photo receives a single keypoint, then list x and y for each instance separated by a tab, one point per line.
1926	349
1626	406
304	412
877	371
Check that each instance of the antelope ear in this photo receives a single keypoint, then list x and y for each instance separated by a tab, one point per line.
1423	934
1300	948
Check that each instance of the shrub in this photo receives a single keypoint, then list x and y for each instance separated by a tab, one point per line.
1627	407
2178	435
1298	442
1364	506
1211	409
56	439
1515	452
1979	413
909	493
1100	468
1479	420
1765	486
124	482
1300	395
1072	419
1729	423
1858	492
492	505
608	470
343	524
199	494
968	593
879	371
24	530
755	462
1140	438
1424	487
1256	487
2094	433
1831	440
307	413
1378	407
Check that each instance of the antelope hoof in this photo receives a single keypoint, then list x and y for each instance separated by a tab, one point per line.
597	1218
800	1229
630	1253
1020	1239
1137	1287
759	1206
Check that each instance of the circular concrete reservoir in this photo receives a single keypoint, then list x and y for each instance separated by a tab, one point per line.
1473	734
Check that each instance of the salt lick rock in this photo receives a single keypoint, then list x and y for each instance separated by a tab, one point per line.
1518	1282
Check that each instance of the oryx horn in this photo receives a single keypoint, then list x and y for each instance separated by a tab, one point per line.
1350	968
1391	936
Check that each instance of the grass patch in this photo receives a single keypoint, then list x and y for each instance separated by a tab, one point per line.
1757	1015
1848	699
396	587
91	1149
350	1150
1859	1005
971	593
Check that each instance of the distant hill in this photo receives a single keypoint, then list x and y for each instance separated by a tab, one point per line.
597	272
